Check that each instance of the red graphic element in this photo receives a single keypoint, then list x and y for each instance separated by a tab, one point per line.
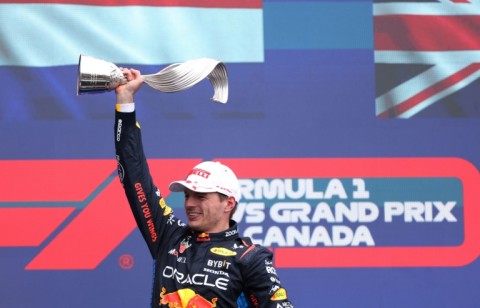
52	180
30	226
95	232
200	172
92	235
297	257
180	3
126	261
106	221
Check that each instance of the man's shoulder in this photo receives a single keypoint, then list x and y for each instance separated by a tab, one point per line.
247	251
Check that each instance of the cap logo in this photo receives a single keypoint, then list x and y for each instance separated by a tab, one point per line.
200	172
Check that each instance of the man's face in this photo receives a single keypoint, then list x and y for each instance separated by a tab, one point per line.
206	212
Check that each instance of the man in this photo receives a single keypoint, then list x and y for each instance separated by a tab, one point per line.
205	263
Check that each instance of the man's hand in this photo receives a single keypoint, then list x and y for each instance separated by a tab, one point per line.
126	92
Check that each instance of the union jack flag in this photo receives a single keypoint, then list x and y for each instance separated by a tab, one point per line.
427	58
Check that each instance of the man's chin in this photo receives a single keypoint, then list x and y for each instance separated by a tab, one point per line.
194	226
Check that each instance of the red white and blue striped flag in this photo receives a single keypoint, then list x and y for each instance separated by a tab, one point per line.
55	32
40	44
427	56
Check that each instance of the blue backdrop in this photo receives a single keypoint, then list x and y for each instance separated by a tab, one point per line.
305	88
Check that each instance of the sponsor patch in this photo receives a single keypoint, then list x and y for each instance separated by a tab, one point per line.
279	295
223	251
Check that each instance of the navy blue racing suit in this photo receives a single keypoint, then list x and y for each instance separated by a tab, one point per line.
191	269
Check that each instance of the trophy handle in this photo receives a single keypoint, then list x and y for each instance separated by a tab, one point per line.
98	76
181	76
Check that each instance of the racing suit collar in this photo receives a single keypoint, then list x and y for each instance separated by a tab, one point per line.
231	232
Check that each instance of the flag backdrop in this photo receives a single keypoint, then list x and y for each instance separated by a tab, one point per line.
360	207
427	58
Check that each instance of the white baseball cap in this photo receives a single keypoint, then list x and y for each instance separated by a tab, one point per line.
210	176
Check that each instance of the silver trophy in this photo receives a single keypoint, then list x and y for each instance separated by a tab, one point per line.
98	76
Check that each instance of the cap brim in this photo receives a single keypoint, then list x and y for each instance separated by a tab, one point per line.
178	186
